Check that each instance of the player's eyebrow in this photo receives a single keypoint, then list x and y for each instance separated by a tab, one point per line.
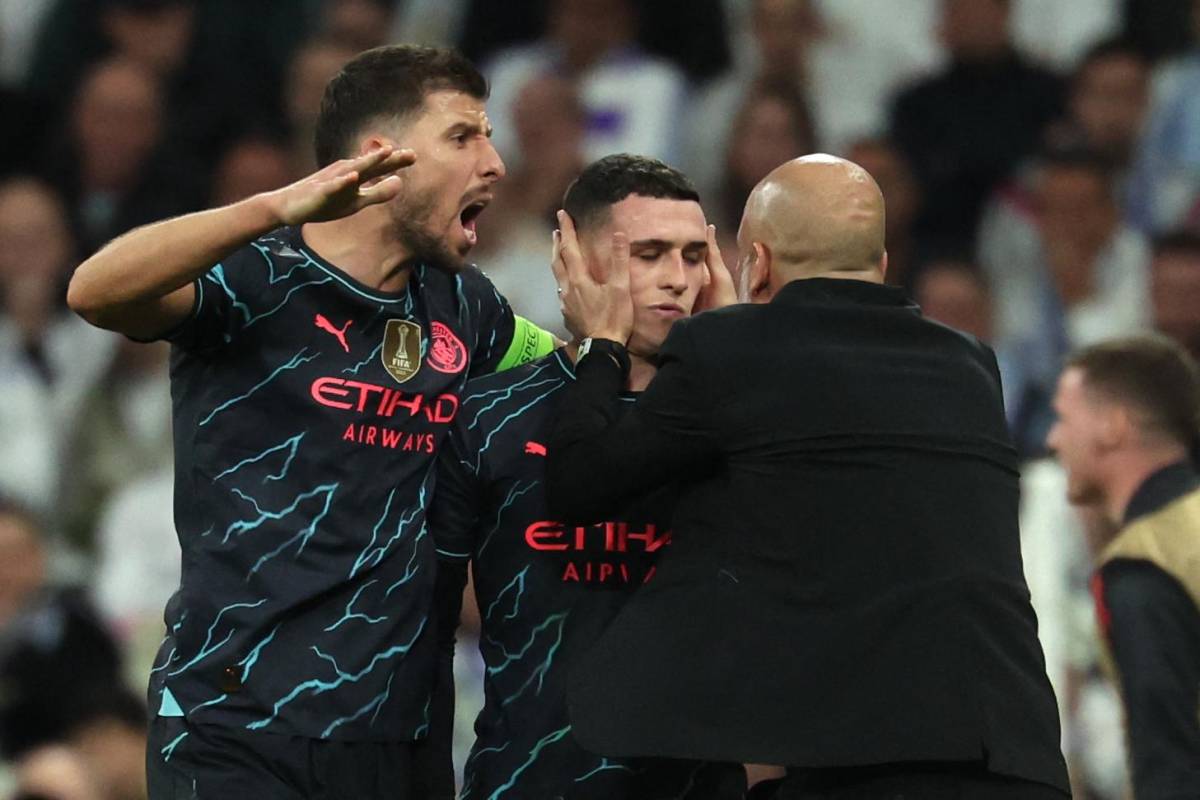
473	128
664	244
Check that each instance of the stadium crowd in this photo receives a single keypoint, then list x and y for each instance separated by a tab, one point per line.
1040	163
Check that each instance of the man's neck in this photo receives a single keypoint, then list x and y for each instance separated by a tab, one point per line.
1130	474
641	371
363	247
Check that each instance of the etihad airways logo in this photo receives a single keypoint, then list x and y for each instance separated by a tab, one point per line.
350	395
385	402
622	553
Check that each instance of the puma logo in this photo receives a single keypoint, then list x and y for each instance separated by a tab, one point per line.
535	449
340	334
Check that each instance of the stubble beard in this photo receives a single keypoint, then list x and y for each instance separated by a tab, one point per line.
410	216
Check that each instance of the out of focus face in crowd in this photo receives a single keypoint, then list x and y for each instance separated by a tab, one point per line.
1109	101
587	29
249	167
1077	437
1175	295
35	241
360	24
550	122
1077	215
783	29
156	35
954	294
974	30
451	182
313	66
667	248
22	563
117	123
767	133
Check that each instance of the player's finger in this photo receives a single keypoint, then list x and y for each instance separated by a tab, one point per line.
713	258
396	160
371	158
556	263
618	268
380	192
569	250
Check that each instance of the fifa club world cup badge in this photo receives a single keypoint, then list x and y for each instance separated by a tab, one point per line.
447	353
401	352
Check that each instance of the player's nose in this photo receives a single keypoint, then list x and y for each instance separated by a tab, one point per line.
490	164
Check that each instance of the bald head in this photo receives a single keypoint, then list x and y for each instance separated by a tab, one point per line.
816	216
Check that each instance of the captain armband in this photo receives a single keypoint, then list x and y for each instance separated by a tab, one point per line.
528	343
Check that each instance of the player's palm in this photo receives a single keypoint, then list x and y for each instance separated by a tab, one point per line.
343	187
718	290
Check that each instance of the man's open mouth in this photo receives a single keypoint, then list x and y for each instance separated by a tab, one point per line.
468	216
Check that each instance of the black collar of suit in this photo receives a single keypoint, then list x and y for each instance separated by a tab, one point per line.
1161	489
809	291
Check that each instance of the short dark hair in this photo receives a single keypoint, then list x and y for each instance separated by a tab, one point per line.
1151	373
391	81
608	181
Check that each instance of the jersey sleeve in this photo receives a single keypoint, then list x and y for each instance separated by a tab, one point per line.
456	503
219	312
1153	628
503	340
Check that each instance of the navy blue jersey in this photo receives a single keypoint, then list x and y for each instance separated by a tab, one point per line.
545	591
308	409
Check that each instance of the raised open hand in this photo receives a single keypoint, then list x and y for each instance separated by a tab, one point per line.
595	296
343	187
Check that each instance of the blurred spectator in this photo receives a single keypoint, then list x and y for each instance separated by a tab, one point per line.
782	32
219	62
114	168
1175	288
690	33
359	24
954	293
1080	279
771	127
633	101
902	197
967	127
1109	97
250	166
55	772
58	664
49	358
514	234
123	433
137	566
312	67
1165	185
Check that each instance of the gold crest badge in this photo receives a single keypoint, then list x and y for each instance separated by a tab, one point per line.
401	353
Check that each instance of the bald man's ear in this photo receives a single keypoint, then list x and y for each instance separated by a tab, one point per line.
883	265
760	275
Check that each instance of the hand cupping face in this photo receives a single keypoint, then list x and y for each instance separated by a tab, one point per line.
593	291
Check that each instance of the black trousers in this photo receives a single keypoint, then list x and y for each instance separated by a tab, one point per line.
186	761
929	781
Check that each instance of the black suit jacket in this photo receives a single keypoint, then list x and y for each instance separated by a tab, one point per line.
844	584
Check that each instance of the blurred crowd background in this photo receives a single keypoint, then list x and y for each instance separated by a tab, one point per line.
1040	160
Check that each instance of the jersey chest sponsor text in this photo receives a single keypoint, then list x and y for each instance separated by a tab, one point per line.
608	552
